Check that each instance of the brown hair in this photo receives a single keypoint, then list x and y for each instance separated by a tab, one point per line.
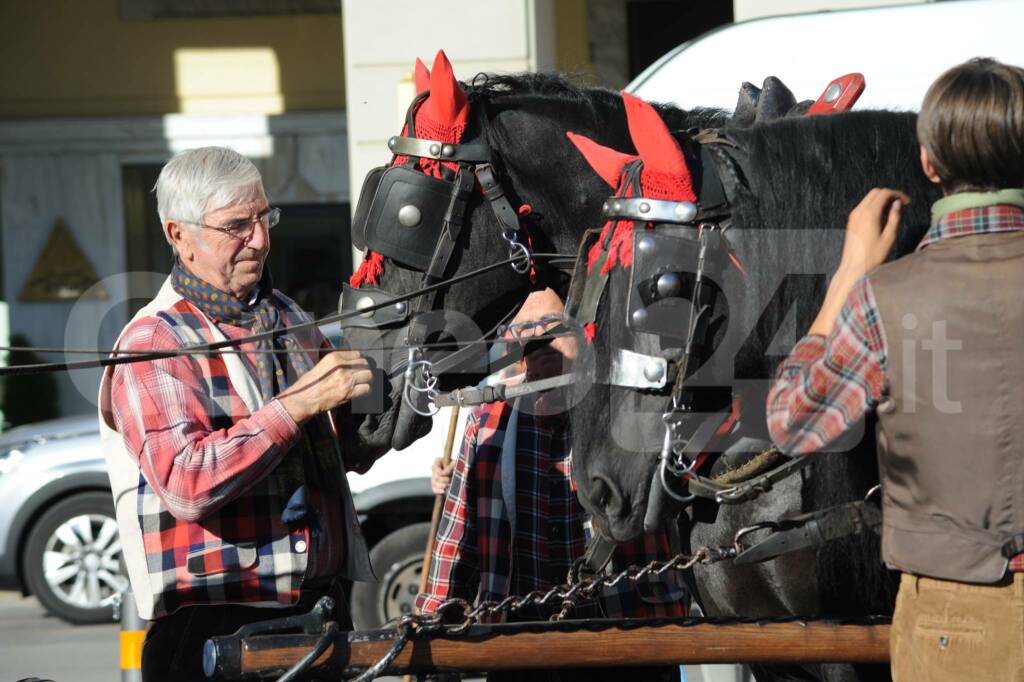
972	124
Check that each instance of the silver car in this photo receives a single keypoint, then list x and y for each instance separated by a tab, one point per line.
59	542
58	536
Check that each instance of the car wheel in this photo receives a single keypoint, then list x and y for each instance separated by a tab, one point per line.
72	559
398	561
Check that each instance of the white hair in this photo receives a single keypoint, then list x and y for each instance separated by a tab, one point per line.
198	181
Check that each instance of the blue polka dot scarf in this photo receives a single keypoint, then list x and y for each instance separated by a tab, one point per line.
305	462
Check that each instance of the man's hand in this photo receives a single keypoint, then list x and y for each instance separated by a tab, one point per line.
335	380
870	235
440	476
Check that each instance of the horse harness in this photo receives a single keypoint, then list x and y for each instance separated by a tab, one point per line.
416	220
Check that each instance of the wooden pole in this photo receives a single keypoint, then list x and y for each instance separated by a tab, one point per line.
570	645
435	516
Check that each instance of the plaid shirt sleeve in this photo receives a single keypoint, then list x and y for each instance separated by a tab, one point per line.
158	408
826	385
454	566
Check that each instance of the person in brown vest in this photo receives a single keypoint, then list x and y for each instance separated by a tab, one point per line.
932	343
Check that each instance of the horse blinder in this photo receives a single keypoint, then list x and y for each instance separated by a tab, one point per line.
400	214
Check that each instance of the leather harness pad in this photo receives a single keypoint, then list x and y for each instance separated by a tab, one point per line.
376	223
389	316
661	282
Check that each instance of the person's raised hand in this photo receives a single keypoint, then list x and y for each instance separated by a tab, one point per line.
339	377
871	231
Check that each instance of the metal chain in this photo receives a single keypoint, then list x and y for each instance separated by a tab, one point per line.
565	596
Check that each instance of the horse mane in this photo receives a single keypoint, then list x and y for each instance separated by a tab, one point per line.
557	87
808	173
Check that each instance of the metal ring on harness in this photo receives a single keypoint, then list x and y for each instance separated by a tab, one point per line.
666	452
417	368
522	261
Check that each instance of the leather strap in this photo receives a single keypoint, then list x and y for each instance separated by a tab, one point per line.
471	396
748	490
441	151
508	219
813	530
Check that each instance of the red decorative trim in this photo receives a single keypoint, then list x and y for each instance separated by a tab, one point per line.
369	270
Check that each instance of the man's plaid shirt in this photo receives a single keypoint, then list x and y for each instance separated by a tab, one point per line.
827	385
476	558
210	517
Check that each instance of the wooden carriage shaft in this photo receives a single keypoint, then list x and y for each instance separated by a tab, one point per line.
813	642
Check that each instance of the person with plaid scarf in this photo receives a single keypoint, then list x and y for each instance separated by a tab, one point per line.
511	521
226	467
931	343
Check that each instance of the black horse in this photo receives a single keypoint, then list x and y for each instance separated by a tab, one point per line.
802	176
799	179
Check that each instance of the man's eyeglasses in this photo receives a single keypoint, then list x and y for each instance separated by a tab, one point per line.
524	331
243	228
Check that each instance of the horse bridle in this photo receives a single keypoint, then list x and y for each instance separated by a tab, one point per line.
416	220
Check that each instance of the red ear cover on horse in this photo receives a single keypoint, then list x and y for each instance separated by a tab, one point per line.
422	76
664	164
447	104
605	161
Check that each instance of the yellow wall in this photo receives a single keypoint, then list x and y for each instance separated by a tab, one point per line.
78	58
572	39
66	58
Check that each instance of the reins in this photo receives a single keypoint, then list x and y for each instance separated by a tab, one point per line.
133	355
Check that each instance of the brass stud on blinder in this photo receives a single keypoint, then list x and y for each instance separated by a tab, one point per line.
447	150
435	149
409	216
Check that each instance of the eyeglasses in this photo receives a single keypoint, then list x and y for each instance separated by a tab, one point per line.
524	331
242	229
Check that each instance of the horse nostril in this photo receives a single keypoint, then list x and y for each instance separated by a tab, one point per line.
606	496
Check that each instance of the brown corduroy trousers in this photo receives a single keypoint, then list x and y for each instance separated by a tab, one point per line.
943	630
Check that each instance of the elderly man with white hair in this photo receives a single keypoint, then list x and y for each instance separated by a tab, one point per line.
226	468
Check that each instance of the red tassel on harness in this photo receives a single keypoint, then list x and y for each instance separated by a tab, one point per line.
369	270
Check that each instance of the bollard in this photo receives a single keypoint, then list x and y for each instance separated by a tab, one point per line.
133	632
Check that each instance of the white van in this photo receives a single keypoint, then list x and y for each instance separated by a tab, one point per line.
900	50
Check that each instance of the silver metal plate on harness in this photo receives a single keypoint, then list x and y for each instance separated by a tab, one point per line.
652	210
637	370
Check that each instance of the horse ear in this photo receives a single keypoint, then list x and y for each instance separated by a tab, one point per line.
447	104
422	76
605	161
775	101
656	146
746	105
